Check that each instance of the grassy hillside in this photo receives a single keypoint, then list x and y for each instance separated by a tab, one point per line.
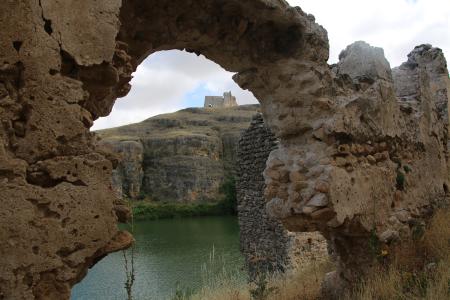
179	157
186	122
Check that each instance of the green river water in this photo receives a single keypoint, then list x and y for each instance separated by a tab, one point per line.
170	254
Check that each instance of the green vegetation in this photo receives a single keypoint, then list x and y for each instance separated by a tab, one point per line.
185	122
154	210
407	168
182	293
417	270
303	283
228	189
400	181
218	282
129	272
129	266
146	210
262	290
374	244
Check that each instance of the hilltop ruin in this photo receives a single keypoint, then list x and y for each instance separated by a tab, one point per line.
228	100
362	154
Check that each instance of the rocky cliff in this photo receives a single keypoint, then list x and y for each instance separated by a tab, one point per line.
182	156
345	135
378	164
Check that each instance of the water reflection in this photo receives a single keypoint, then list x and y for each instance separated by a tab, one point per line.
168	253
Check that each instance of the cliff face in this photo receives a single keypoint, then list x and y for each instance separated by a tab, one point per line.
346	138
183	156
128	174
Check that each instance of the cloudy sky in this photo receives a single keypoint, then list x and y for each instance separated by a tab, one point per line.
172	80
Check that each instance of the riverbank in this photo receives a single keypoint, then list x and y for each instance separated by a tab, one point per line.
171	256
148	210
418	269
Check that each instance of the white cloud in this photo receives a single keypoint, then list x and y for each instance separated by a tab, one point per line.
397	26
161	83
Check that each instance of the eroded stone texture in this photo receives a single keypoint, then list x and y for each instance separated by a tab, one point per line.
407	78
56	210
377	167
355	158
308	249
62	65
265	243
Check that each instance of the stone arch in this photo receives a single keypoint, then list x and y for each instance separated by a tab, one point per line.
264	43
63	64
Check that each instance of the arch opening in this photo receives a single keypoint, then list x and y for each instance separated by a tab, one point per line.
169	81
346	131
174	165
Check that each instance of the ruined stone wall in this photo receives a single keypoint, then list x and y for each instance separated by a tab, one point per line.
213	101
346	140
227	100
265	243
378	165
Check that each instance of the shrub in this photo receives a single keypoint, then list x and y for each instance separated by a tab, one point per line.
157	210
374	244
182	293
400	181
262	290
303	283
228	189
419	269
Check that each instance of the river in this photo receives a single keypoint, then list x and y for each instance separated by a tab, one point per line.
170	255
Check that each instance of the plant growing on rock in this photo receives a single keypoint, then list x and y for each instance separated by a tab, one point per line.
374	243
419	269
182	293
129	265
262	289
228	189
400	180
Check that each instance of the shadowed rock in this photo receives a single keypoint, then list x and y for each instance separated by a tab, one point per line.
62	65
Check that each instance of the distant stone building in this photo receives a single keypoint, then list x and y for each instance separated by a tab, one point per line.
228	100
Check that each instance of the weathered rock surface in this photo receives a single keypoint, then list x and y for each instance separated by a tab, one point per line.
306	249
182	157
56	207
128	174
63	64
377	163
265	243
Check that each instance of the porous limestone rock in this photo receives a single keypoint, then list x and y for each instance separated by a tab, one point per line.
267	246
57	214
382	153
63	64
362	62
307	249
